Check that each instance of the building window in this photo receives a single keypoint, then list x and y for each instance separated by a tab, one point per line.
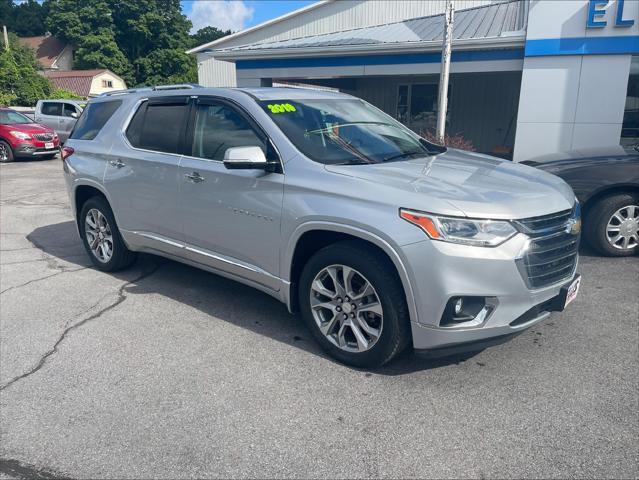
630	127
107	84
417	106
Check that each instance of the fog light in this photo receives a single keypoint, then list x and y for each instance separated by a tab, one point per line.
459	304
464	311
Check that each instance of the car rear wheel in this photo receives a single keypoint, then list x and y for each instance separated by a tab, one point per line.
101	236
6	153
354	305
612	225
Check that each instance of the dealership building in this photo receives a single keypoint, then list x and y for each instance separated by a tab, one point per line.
528	77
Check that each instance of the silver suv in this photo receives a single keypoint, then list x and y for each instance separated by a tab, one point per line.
379	238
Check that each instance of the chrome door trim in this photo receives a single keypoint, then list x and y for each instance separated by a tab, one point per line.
235	267
206	257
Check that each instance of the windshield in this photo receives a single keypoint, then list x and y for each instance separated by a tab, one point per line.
345	131
8	117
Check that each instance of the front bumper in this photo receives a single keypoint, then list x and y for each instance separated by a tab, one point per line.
440	271
30	150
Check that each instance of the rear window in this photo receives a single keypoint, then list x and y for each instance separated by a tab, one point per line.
52	108
157	126
93	118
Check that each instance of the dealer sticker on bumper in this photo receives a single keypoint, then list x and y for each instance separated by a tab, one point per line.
573	289
48	145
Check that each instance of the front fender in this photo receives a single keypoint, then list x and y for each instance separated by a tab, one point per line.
393	252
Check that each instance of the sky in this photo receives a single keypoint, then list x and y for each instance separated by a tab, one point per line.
237	14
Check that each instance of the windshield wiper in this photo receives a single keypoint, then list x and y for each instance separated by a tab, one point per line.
405	154
348	124
353	162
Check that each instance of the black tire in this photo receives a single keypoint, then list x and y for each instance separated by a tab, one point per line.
121	257
382	275
6	153
596	221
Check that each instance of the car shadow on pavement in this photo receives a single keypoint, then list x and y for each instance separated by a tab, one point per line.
217	297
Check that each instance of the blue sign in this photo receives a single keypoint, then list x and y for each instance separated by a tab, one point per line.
597	9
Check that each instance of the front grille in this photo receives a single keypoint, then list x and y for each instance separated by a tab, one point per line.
547	222
43	137
551	256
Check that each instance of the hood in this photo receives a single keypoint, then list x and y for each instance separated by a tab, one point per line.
477	185
29	127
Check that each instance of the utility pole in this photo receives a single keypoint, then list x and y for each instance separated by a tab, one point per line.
6	37
442	101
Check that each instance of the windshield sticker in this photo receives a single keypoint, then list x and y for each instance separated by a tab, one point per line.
281	108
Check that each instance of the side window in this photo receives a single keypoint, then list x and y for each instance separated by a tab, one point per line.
52	108
68	110
93	118
158	126
219	127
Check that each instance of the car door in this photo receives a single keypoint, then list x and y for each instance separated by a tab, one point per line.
142	174
70	115
231	218
51	116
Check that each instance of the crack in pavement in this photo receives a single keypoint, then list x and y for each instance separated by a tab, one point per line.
83	255
121	297
16	469
52	264
15	249
42	278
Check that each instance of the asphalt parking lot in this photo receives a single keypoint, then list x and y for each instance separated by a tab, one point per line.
170	372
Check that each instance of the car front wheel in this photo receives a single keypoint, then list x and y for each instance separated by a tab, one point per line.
6	153
612	225
354	305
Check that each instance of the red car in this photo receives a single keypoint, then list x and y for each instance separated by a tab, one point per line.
21	137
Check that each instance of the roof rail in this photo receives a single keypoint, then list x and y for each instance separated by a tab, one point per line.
177	86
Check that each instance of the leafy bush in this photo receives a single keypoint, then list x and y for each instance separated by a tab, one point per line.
456	140
62	94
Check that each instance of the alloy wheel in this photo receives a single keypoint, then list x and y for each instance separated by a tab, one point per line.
622	230
99	236
346	308
4	153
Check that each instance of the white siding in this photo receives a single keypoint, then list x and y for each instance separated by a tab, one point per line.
330	17
215	73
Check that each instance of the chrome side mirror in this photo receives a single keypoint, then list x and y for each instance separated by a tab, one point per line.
75	115
248	158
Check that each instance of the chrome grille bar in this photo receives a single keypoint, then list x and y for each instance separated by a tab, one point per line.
551	256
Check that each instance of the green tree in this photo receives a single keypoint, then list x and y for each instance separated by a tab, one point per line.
101	51
20	82
6	12
127	37
88	25
29	19
25	19
166	66
154	30
206	35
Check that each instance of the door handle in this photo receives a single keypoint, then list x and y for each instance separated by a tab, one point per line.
117	163
194	177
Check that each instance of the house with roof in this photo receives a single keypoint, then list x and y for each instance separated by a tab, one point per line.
86	83
51	52
528	77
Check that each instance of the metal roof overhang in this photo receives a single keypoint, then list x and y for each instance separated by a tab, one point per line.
514	40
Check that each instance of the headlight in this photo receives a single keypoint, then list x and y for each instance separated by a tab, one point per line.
467	231
20	135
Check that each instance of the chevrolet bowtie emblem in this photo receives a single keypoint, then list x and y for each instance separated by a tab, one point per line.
573	227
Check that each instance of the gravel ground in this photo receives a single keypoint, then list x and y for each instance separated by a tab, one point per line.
168	371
